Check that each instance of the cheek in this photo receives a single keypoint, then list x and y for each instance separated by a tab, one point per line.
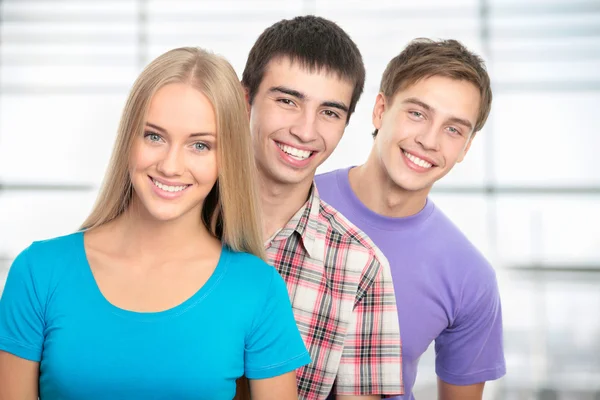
145	154
331	142
140	157
453	150
410	130
205	171
263	119
331	133
394	130
274	119
388	141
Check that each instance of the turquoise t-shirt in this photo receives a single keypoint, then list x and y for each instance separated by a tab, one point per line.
239	323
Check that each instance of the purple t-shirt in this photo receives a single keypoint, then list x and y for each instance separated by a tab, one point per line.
445	289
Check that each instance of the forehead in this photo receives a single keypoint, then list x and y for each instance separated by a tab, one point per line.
313	82
181	107
452	97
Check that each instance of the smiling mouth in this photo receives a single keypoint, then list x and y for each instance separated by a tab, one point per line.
295	153
417	161
167	188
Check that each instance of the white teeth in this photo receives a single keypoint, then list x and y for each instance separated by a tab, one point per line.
294	152
417	160
168	188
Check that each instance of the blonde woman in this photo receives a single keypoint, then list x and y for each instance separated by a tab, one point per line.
163	293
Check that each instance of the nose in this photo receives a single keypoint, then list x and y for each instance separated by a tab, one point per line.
304	127
173	163
429	138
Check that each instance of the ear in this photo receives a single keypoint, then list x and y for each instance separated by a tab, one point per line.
466	148
378	110
247	98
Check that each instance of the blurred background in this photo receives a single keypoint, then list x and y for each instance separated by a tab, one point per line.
528	194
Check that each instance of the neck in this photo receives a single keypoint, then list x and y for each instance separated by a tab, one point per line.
280	203
142	236
375	189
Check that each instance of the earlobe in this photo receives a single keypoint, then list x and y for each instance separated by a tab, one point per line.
378	110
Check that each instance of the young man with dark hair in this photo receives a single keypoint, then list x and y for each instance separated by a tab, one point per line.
304	77
433	98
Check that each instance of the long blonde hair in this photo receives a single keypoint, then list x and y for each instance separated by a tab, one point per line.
231	211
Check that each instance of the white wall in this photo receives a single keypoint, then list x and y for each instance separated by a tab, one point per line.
65	72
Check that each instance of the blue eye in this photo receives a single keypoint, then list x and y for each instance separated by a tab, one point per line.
152	136
453	130
200	146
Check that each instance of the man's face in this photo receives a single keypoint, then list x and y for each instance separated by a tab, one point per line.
297	119
425	130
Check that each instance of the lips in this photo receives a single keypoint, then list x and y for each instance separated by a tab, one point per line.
168	188
298	154
417	160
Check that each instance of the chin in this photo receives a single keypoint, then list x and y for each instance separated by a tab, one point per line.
416	188
297	179
165	212
289	176
411	185
162	216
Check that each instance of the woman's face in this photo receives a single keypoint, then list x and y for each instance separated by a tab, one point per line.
173	163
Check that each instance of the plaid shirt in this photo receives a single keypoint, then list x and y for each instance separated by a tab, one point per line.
341	290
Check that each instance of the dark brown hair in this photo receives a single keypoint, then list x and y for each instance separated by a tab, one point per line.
312	41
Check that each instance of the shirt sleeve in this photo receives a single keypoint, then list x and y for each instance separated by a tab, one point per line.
274	345
471	350
371	361
21	312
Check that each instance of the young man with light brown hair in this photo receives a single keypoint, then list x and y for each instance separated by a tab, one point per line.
434	97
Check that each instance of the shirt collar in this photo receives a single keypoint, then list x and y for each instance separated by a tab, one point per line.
305	223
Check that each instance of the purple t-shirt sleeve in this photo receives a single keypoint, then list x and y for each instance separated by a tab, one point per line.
471	350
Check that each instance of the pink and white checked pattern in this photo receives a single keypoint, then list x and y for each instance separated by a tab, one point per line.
341	290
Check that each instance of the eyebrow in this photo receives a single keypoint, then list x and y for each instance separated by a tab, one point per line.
163	130
461	121
301	96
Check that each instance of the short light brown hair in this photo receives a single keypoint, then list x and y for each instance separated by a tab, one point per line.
424	58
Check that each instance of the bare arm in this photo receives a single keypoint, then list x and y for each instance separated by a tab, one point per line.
282	387
18	378
447	391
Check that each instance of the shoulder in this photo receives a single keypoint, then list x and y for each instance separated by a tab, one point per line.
44	260
254	282
49	251
251	271
56	246
326	176
247	264
341	232
451	243
328	183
